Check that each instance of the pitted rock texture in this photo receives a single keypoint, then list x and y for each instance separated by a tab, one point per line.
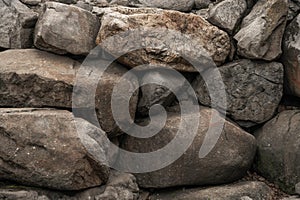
278	150
16	24
254	90
234	144
191	36
66	29
46	149
291	58
262	29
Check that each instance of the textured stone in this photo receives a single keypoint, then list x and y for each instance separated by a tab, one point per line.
254	90
31	2
46	149
66	29
191	35
290	57
120	186
243	191
228	161
16	24
33	78
297	188
227	14
152	94
294	9
200	4
184	5
279	150
262	29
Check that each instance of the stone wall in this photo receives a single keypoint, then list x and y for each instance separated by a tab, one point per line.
237	61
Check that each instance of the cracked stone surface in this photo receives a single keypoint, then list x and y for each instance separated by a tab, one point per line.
16	24
65	29
254	90
191	36
262	30
279	150
235	149
46	149
227	14
34	78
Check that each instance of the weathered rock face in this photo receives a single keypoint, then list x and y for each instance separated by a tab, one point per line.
44	149
291	59
66	29
31	2
184	5
262	30
279	150
152	94
254	90
294	9
228	161
227	14
33	78
195	37
120	186
244	191
17	24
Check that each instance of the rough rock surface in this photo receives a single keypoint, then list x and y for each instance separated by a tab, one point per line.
66	29
191	35
262	30
247	190
294	9
16	24
152	94
254	90
44	149
228	161
184	5
290	57
120	186
279	150
31	2
33	78
227	14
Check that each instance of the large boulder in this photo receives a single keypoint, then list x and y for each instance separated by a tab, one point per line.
178	35
184	5
247	190
290	57
254	90
17	24
33	78
229	160
66	29
47	149
279	150
120	186
227	14
262	29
